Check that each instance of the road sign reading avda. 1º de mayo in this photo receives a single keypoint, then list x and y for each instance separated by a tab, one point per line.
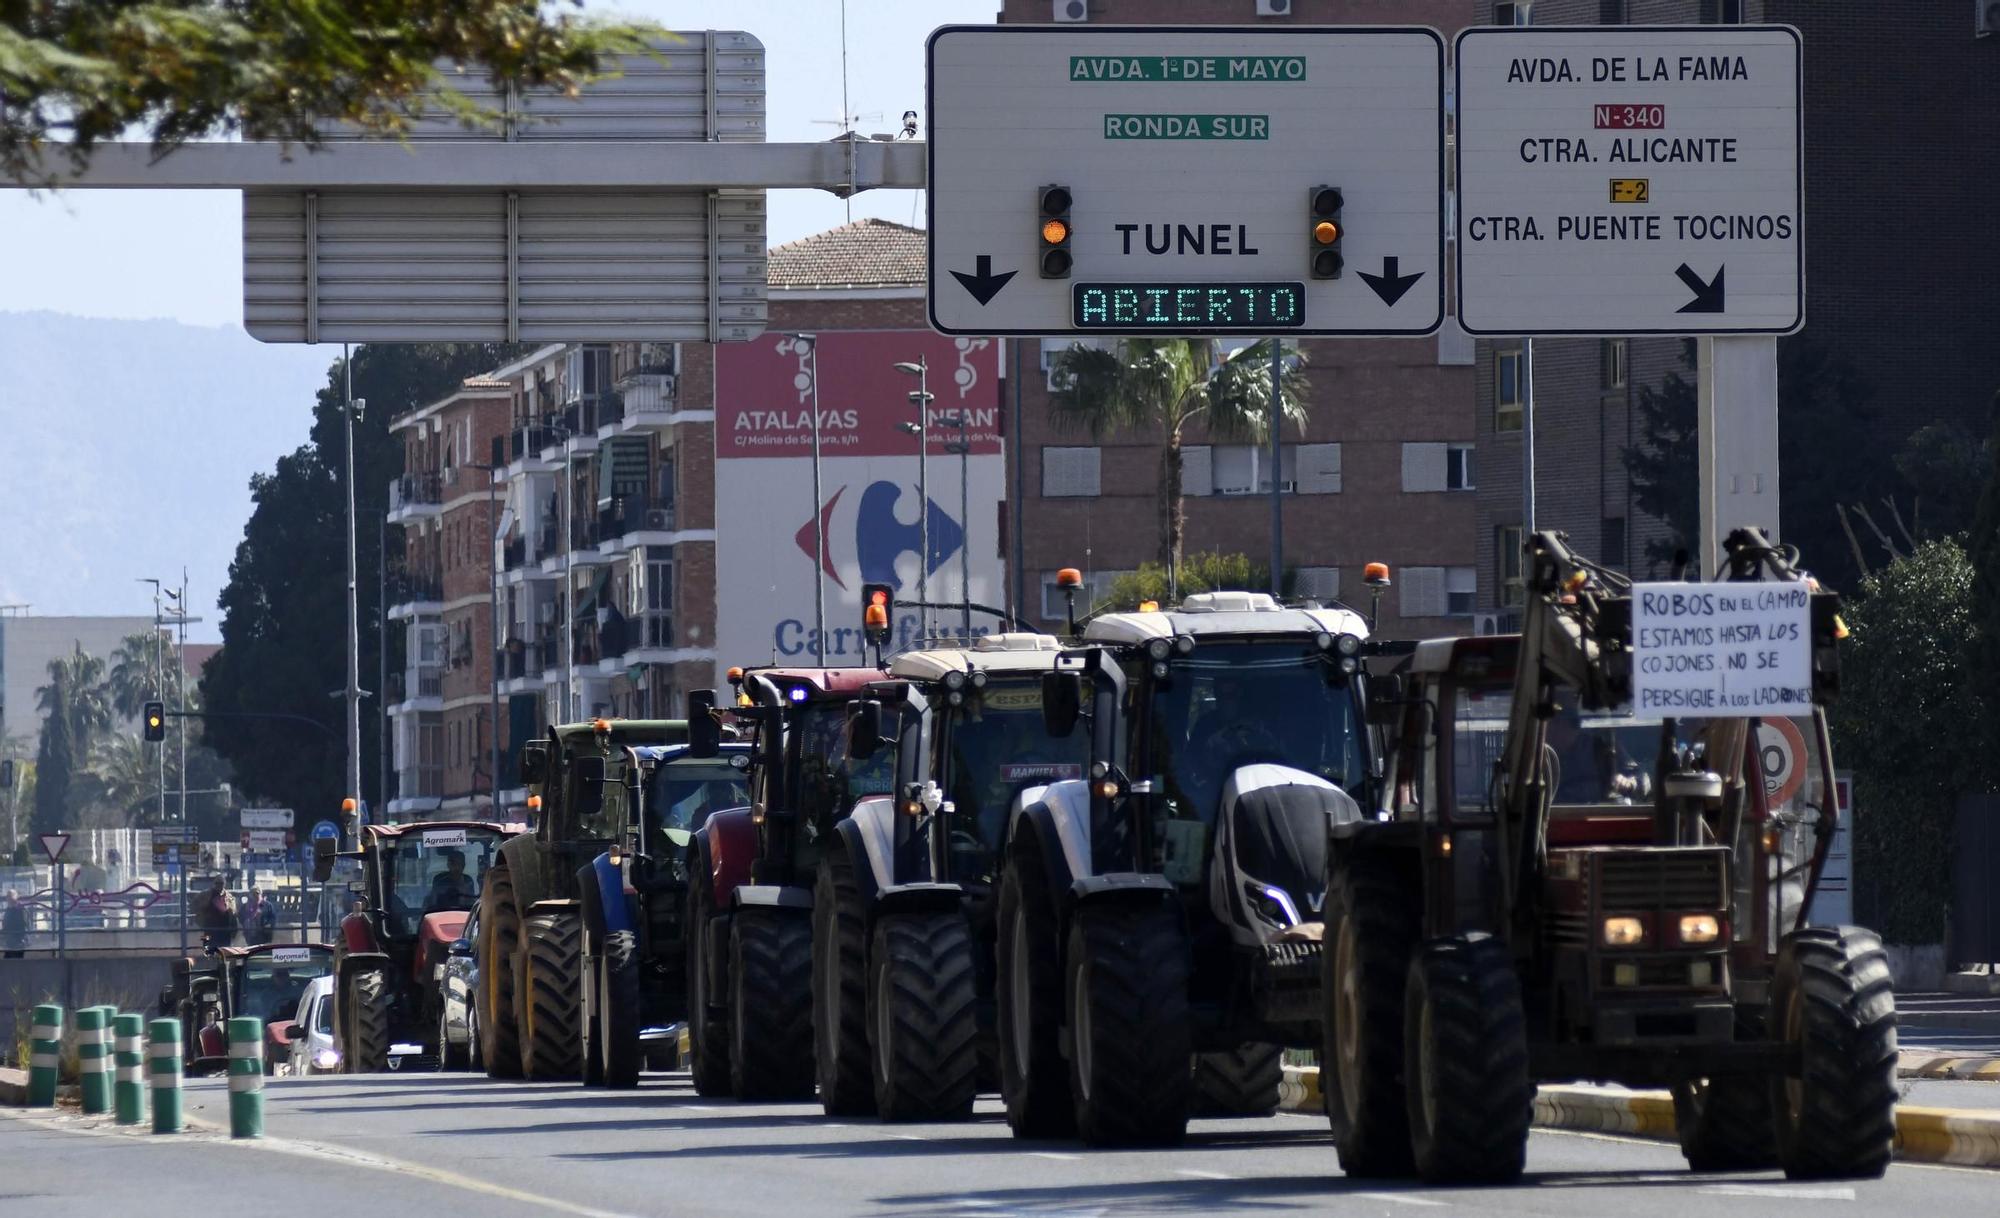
1194	165
1629	180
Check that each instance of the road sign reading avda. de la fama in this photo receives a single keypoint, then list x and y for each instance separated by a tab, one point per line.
1192	166
1629	180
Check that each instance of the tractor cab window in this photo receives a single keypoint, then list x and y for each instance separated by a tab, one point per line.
609	821
437	870
683	793
1594	759
999	748
828	780
271	990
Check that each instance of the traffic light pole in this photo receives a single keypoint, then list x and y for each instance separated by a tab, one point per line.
353	648
1277	468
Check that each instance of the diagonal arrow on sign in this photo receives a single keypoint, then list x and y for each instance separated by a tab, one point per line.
1707	296
1389	285
983	283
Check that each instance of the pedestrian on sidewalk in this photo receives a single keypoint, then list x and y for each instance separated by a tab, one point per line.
258	918
14	927
217	915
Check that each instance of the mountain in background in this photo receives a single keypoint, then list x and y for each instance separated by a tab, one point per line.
126	449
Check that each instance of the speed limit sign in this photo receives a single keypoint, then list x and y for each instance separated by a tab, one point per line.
1781	755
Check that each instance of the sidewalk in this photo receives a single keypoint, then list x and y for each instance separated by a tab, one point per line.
1948	1036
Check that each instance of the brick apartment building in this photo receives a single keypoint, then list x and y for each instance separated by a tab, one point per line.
1901	108
1384	469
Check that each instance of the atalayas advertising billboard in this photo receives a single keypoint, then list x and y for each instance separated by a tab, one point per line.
767	521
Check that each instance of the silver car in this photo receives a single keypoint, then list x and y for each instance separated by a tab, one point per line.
458	1008
313	1050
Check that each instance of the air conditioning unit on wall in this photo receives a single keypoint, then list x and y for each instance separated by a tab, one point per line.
1485	623
1070	10
1274	8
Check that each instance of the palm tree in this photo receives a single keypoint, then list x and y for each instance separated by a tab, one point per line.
75	708
136	669
1161	385
124	780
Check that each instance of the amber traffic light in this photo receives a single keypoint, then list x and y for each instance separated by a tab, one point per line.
1054	219
1323	252
155	720
876	602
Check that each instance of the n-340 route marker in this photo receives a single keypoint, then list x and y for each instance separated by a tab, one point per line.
1190	159
1629	180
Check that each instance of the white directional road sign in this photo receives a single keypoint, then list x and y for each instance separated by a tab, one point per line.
1191	155
1629	180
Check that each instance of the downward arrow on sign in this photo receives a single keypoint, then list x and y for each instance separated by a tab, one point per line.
1707	296
983	283
1389	285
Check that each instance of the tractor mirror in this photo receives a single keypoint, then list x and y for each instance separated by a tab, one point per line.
460	947
534	762
704	733
1386	698
589	777
324	849
1062	701
864	729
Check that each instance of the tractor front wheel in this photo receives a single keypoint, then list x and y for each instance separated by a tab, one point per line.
840	990
923	1017
1129	1027
708	1036
1470	1099
1833	1004
366	1030
551	990
1371	936
618	1010
770	1008
1239	1082
498	948
1034	1081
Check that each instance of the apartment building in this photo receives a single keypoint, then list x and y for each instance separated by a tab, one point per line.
1385	468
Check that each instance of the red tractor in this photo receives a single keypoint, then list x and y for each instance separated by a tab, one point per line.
751	870
420	882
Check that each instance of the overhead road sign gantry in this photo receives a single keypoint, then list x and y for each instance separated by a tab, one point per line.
1170	180
1629	180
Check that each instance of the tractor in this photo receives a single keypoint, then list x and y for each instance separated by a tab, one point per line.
1159	916
1553	887
750	899
264	980
548	912
904	905
419	884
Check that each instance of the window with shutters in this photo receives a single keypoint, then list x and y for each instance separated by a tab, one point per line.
1509	389
1052	347
1518	12
1423	467
1197	471
1233	468
1612	548
1423	592
1461	589
1318	470
1507	565
1458	467
1070	472
1317	583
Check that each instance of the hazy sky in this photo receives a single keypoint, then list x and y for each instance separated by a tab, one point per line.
178	254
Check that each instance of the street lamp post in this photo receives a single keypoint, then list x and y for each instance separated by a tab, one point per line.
354	407
493	615
963	447
811	344
921	429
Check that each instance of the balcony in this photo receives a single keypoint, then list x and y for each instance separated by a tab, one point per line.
643	399
633	514
417	689
525	443
415	495
414	594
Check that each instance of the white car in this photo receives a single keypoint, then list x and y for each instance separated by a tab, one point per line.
313	1050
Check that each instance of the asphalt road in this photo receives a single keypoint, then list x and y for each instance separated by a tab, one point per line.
436	1145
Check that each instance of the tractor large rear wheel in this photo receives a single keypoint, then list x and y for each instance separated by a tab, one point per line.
366	1030
498	947
770	1009
1129	1027
1833	1005
923	1016
552	990
1469	1096
1034	1079
618	1010
1726	1124
708	1034
840	990
1371	937
1239	1082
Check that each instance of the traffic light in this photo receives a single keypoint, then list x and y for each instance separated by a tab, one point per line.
155	717
1054	219
877	602
1324	231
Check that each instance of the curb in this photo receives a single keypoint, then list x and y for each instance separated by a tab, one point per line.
13	1087
1912	1065
1957	1136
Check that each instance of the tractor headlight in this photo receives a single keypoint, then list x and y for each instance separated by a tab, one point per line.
1700	928
1323	641
954	681
326	1059
1348	644
1160	649
1624	931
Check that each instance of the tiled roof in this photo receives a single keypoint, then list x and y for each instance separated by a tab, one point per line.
485	382
865	254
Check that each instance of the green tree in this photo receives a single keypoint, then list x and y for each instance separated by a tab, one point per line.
1160	387
284	610
1906	726
1202	571
74	710
74	74
1665	465
136	668
1983	546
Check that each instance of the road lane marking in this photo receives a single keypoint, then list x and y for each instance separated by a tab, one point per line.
909	1137
1197	1174
1788	1191
1058	1155
1398	1198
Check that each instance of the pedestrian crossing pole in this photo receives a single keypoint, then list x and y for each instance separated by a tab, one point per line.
93	1059
129	1089
164	1050
44	1055
246	1077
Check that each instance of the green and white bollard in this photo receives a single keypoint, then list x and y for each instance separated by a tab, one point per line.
246	1077
164	1050
129	1088
44	1055
93	1058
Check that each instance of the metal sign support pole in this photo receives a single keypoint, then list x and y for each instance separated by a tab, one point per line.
1277	412
1527	443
